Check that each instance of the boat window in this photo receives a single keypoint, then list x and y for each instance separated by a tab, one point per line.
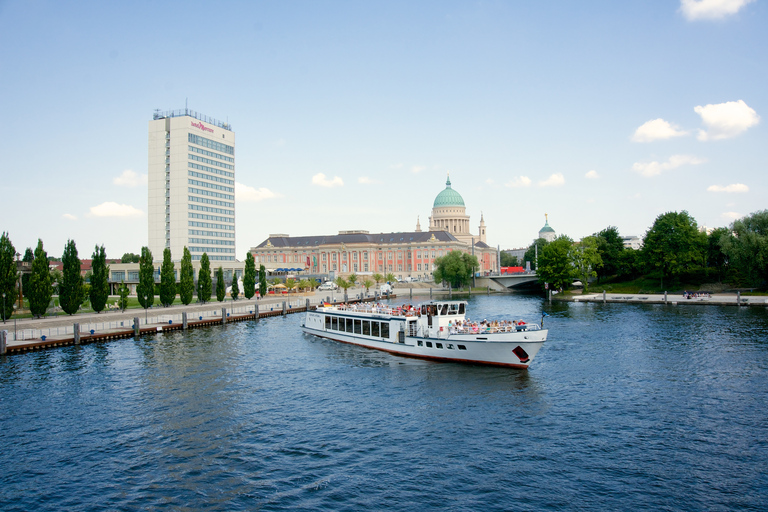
461	308
366	327
412	328
328	323
429	344
453	309
423	309
461	347
420	343
438	345
449	346
385	330
350	323
334	323
375	329
358	327
444	310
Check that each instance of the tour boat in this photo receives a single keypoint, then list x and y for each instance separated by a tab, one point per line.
436	330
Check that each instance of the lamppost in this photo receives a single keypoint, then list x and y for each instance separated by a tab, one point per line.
21	297
3	307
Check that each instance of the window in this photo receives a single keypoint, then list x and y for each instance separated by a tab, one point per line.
449	346
420	343
429	344
462	347
358	327
385	330
366	328
438	345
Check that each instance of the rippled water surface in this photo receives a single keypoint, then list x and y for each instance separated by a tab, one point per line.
627	407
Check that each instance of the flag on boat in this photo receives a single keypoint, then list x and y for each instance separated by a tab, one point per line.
326	305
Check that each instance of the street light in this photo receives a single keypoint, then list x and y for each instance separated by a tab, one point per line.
3	307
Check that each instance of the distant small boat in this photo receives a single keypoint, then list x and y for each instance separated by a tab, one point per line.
436	330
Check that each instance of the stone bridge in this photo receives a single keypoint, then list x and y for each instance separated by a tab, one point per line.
512	281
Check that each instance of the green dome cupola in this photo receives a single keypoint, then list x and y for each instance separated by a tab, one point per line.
448	197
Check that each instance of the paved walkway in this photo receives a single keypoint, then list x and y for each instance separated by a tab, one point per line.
656	298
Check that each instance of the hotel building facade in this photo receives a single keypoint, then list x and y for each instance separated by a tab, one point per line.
191	178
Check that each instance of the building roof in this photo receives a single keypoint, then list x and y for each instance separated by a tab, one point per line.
448	197
352	238
546	228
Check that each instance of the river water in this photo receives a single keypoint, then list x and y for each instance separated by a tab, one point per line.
626	407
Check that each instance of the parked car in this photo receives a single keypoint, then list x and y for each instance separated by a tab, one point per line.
328	285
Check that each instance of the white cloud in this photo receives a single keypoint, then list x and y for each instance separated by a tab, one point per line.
731	215
710	9
418	168
69	216
320	180
519	181
112	209
656	129
555	180
655	168
365	180
490	181
592	175
251	194
726	120
734	187
130	179
396	166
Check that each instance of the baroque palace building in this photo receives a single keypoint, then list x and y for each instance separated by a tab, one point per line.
404	254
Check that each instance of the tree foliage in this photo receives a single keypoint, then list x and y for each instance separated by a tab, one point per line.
673	245
221	287
610	246
262	281
536	247
123	292
7	276
455	268
249	277
717	259
186	278
507	260
40	282
29	257
129	257
555	263
167	279
747	248
99	290
378	278
586	260
367	283
352	278
145	291
204	281
235	291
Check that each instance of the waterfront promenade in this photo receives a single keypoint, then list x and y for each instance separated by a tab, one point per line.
718	299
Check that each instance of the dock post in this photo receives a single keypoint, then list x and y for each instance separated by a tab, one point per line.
430	293
284	310
136	326
665	297
306	305
223	316
738	298
3	343
256	311
450	292
184	324
488	290
77	334
603	296
411	292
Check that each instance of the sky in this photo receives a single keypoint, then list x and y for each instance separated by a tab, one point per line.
350	115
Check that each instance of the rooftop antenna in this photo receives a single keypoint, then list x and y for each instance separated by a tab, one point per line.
186	106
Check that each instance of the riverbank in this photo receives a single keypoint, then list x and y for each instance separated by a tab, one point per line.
715	299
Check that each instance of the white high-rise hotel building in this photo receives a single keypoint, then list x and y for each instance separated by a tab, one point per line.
191	186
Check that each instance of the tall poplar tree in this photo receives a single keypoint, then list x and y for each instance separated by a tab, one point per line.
29	257
249	276
7	276
71	289
221	287
167	279
145	290
186	278
204	281
262	281
99	292
235	289
123	292
40	282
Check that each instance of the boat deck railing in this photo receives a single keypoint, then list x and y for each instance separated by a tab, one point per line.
375	309
491	329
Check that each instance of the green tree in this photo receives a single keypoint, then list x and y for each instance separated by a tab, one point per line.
747	249
221	287
304	284
7	276
71	292
262	281
40	283
145	291
235	291
123	292
586	259
367	283
610	245
673	245
391	278
555	263
129	257
167	279
186	278
29	257
343	283
455	268
204	281
249	277
507	260
717	260
630	264
378	278
536	247
290	283
352	280
99	290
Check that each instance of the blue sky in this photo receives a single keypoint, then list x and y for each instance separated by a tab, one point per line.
348	115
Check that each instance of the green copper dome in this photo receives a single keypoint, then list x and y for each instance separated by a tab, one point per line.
448	197
547	228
